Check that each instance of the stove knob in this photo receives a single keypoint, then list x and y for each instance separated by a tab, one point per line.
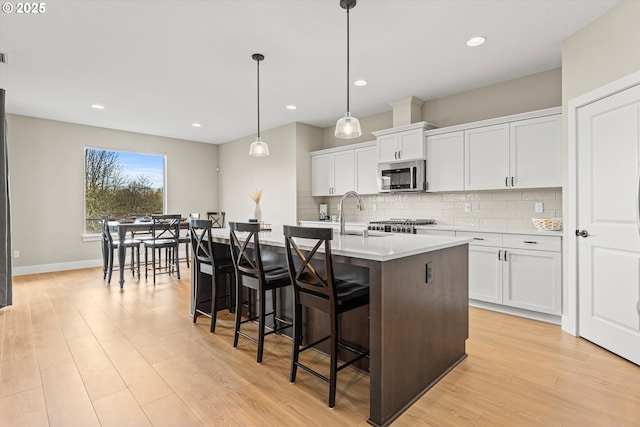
404	229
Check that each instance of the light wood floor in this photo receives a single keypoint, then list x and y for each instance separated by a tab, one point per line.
76	352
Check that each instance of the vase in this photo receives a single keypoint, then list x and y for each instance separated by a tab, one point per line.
257	213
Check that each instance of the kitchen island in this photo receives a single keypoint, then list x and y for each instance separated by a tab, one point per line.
418	310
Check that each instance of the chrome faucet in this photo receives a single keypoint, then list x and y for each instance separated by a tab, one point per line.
359	206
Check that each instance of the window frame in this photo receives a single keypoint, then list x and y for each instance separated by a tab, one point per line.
96	236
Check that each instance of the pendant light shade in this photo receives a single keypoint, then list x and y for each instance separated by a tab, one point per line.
348	126
258	148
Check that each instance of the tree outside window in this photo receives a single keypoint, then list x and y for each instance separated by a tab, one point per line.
122	184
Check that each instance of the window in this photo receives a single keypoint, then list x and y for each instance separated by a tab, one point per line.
122	184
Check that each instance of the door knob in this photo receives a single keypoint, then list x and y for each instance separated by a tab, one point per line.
582	233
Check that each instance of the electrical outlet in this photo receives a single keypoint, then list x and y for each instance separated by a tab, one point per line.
374	207
16	254
467	207
539	207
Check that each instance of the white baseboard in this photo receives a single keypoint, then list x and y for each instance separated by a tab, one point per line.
543	317
63	266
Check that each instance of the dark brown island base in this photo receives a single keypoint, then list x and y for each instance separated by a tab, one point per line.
418	315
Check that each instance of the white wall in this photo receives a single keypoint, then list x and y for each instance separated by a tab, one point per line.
240	175
46	166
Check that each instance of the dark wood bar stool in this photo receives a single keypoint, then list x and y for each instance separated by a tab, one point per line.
316	287
214	261
252	274
165	230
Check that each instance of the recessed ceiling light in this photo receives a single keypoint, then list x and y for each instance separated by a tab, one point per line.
360	83
97	107
196	125
476	41
291	107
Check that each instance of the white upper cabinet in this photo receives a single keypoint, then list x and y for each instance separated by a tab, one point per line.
338	170
445	162
401	143
519	151
366	170
486	157
535	152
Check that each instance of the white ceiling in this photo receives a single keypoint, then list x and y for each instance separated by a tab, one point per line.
159	66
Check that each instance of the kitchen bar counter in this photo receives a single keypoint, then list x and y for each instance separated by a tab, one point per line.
418	314
377	247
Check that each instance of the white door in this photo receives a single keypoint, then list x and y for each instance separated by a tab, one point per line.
608	147
388	148
321	175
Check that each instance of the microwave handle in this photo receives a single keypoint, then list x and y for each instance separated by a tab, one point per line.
413	177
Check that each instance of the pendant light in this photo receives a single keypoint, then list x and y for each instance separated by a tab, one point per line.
258	148
348	126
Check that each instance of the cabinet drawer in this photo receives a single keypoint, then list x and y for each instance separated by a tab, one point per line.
535	242
481	239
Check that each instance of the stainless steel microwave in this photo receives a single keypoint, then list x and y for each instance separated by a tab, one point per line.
402	176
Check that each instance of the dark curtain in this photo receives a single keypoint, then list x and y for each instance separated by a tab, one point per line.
6	296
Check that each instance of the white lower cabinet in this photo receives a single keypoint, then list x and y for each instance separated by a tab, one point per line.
516	270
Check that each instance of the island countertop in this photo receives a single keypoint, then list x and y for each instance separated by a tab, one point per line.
377	247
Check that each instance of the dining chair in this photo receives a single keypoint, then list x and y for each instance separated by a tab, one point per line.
165	231
214	261
186	239
217	218
109	246
316	287
253	274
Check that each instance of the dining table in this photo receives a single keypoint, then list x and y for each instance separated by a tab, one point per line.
137	226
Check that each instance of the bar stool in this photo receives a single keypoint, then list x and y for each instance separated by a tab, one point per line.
247	261
316	287
214	261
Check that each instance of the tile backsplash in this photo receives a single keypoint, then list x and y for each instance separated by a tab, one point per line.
507	209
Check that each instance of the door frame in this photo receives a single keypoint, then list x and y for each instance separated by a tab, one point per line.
570	312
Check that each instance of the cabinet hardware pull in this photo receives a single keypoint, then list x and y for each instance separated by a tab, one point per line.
512	181
531	242
478	238
506	181
505	255
499	255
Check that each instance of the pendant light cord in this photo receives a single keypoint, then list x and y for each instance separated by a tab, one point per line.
347	58
258	62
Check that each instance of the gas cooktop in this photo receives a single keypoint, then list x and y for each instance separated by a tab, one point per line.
399	225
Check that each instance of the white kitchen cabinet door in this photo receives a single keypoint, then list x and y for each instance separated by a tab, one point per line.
445	162
400	146
388	148
411	144
532	280
366	170
321	175
485	273
486	157
343	172
535	152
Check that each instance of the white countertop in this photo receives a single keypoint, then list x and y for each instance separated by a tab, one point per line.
481	229
377	247
473	228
